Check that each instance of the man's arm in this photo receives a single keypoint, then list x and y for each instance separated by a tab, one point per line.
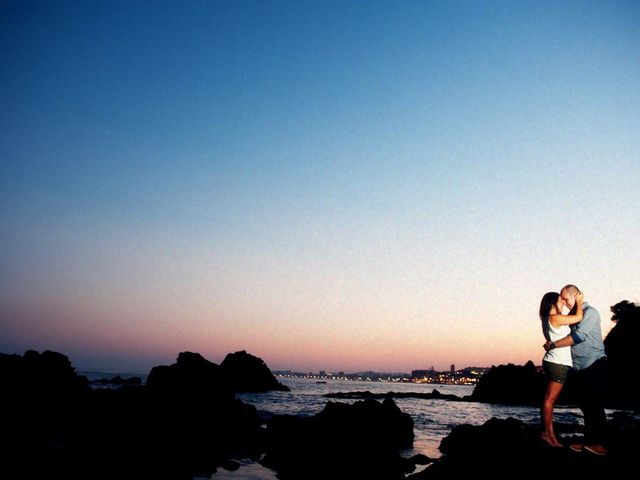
563	342
579	333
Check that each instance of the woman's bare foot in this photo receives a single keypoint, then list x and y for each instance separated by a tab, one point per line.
550	438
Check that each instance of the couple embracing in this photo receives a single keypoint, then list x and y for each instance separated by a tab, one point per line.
574	346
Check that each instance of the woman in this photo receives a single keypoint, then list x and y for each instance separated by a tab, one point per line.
557	361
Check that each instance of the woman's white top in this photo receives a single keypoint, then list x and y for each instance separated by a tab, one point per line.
561	355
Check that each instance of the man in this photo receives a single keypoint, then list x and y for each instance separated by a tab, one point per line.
590	371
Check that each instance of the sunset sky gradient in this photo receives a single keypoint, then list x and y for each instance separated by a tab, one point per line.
327	185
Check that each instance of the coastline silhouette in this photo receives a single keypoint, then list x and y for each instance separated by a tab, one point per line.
188	419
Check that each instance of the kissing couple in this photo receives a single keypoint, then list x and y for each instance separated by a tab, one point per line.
574	351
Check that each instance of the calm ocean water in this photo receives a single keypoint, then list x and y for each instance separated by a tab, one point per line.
433	419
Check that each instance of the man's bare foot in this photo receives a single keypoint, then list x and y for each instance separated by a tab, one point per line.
550	439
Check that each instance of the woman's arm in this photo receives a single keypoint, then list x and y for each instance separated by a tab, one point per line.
558	319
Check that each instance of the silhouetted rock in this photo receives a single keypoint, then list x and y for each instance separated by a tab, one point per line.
620	345
508	448
36	372
185	422
194	416
192	377
358	441
40	389
41	398
433	395
511	384
246	373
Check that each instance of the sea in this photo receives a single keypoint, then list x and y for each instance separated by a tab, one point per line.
433	419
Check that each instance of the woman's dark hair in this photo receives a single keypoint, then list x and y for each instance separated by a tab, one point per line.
548	300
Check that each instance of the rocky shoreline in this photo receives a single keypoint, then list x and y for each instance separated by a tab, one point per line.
186	422
505	448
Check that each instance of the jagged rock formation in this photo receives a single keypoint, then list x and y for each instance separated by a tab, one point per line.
247	373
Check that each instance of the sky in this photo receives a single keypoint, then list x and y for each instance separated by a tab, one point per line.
327	185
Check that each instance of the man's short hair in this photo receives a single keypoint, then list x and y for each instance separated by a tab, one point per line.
572	289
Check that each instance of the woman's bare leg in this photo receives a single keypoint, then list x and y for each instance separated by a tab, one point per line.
548	435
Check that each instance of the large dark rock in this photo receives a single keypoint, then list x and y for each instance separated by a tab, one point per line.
40	389
246	373
184	423
508	448
358	441
35	373
620	345
192	377
42	398
511	384
193	418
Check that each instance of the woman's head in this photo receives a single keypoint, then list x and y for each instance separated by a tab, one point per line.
550	303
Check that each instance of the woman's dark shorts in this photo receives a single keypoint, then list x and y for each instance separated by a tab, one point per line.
555	372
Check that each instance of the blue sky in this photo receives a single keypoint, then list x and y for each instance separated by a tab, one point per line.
326	184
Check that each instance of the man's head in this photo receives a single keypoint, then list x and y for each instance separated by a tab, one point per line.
568	295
